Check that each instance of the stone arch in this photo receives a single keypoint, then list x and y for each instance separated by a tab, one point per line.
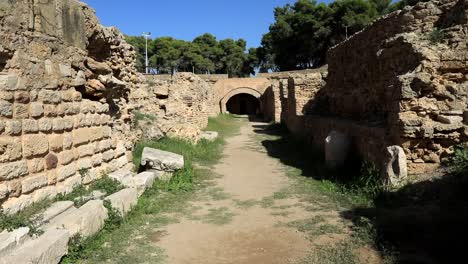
241	90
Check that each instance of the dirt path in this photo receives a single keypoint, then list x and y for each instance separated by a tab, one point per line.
241	217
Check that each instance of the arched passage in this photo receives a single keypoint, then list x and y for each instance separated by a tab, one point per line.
242	101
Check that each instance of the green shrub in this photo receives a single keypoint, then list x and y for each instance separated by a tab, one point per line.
436	36
459	160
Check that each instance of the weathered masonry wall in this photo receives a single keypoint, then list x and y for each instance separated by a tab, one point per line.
63	86
181	103
390	85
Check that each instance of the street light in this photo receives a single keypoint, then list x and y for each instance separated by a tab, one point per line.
146	35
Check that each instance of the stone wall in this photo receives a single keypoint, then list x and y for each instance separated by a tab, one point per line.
390	84
181	103
64	81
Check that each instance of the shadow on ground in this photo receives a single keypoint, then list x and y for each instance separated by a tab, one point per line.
425	222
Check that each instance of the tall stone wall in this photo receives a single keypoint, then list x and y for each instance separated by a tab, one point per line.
181	103
64	81
393	84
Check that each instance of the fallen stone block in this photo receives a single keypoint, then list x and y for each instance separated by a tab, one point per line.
155	159
86	220
10	240
54	210
336	148
49	248
143	181
209	135
395	167
124	200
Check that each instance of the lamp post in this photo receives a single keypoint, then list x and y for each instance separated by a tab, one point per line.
146	35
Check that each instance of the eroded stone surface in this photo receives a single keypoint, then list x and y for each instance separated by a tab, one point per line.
160	160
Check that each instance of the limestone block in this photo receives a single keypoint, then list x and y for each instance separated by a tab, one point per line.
49	97
97	160
9	82
45	125
121	175
30	126
449	119
10	149
3	191
66	157
10	240
68	123
36	165
124	200
21	111
395	167
85	164
67	141
49	248
32	183
108	155
58	125
56	142
86	220
336	148
65	70
35	145
54	210
143	181
13	170
86	150
6	109
66	171
16	204
104	145
161	160
209	135
79	80
13	128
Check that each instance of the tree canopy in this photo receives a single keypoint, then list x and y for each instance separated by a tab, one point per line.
298	39
204	55
303	32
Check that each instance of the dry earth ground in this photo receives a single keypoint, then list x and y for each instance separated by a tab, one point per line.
248	212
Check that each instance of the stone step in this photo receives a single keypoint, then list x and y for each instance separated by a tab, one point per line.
49	248
124	200
54	210
10	240
209	135
86	220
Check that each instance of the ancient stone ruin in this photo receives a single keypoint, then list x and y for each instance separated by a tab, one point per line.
71	100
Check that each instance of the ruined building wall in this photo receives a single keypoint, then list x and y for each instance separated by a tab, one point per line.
391	85
181	103
64	80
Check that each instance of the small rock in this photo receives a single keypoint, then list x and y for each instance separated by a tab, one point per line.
124	200
395	168
336	148
209	135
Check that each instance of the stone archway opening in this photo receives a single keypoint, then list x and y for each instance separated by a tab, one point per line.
243	104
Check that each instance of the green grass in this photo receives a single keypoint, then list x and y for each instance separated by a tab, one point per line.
218	216
126	240
437	36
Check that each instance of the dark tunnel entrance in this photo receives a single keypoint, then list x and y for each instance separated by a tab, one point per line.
243	104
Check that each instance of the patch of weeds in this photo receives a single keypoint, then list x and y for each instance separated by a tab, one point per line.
245	204
280	195
459	160
218	194
282	207
307	225
326	229
437	36
267	202
340	253
218	216
139	118
29	217
107	185
283	213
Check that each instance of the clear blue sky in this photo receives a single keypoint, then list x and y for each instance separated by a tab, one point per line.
187	19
